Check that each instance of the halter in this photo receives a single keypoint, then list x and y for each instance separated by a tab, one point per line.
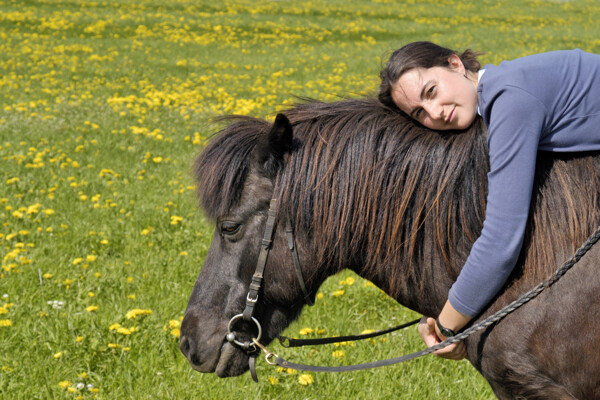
257	280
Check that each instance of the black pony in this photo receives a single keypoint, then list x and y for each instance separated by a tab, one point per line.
365	188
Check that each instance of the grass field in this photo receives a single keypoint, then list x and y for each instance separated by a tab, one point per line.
103	106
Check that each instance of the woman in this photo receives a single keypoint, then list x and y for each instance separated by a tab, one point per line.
548	101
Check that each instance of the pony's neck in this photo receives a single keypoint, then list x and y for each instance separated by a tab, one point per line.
424	290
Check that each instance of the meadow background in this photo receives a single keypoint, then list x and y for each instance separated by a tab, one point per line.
103	106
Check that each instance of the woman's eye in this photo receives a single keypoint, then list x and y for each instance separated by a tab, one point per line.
431	91
229	227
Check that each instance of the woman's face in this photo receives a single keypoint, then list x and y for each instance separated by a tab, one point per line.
441	98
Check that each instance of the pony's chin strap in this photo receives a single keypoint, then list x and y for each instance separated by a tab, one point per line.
252	365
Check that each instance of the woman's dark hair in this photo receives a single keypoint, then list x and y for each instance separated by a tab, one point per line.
419	55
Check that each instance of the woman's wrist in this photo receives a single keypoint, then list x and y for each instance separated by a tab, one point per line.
450	319
442	331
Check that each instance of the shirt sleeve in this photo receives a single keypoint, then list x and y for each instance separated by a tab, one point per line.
514	130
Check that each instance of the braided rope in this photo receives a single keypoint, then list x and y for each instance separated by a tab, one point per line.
523	299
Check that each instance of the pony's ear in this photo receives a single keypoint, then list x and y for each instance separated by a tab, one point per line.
280	137
270	151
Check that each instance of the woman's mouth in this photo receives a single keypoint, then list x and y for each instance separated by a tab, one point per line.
451	115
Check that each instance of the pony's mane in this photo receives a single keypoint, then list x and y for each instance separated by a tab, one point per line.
222	168
369	182
368	185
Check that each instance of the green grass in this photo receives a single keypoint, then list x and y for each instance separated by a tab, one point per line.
103	106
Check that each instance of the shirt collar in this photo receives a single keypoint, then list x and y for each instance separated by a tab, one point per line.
479	75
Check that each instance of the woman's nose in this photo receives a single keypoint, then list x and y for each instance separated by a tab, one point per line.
435	110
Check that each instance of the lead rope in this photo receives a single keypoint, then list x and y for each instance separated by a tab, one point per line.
560	272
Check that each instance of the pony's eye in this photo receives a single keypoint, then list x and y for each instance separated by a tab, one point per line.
229	227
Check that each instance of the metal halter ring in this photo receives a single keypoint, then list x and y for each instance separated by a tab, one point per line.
231	336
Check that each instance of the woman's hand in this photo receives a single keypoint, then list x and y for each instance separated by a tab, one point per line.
427	330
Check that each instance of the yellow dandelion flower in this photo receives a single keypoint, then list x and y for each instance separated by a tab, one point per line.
305	379
79	339
77	261
58	355
47	276
320	296
104	242
273	380
338	354
91	308
64	384
3	310
5	322
175	332
137	312
306	331
124	331
337	293
91	258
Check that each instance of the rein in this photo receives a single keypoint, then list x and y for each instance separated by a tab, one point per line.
273	359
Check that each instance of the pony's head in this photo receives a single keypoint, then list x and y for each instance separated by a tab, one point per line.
236	175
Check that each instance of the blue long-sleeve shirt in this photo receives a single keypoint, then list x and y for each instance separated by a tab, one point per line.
550	102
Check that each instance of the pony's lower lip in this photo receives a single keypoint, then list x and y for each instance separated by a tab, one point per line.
225	352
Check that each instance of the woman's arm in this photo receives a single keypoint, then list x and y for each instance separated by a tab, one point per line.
515	125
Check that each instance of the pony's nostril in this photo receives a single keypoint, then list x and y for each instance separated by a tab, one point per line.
184	345
189	350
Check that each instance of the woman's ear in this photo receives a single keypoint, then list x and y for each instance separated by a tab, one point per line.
456	64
